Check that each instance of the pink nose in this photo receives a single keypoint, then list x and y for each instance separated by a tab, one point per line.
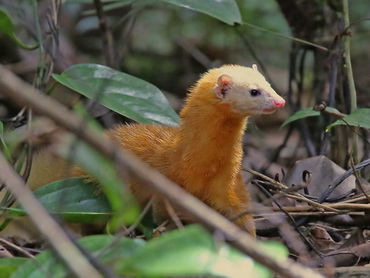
279	103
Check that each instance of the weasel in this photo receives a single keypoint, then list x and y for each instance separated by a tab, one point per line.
204	153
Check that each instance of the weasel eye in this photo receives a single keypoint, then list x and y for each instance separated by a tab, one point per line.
254	93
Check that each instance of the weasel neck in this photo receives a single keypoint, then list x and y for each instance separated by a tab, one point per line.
211	146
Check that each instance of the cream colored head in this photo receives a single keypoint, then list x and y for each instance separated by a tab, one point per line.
245	90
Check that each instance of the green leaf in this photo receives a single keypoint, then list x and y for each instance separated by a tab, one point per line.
3	147
84	1
104	247
190	251
73	200
304	113
10	265
274	249
105	172
120	92
224	10
358	118
6	27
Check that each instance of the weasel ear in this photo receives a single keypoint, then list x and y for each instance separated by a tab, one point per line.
223	85
254	66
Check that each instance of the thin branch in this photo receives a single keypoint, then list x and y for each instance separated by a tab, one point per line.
255	56
132	228
301	198
173	215
322	107
348	68
286	36
108	48
16	247
358	181
52	231
310	213
340	179
347	56
292	220
195	52
24	94
357	199
279	185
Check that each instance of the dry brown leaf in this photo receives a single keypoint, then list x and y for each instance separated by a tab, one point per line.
323	173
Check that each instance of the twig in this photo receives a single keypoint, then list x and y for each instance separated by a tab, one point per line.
357	199
347	56
351	206
57	238
175	218
332	207
279	185
307	209
292	220
286	231
339	180
286	37
293	195
108	49
348	67
254	55
198	55
359	181
333	61
312	203
322	107
142	214
23	93
15	247
310	213
29	150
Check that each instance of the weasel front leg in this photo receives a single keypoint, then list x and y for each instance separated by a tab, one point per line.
240	207
246	223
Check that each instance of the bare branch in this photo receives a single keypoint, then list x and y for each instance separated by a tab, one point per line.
55	235
107	47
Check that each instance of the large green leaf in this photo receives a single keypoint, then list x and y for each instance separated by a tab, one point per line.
304	113
192	251
10	265
120	92
106	248
358	118
7	27
224	10
73	200
104	171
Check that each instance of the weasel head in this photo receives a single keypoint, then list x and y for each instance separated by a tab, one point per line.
246	91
